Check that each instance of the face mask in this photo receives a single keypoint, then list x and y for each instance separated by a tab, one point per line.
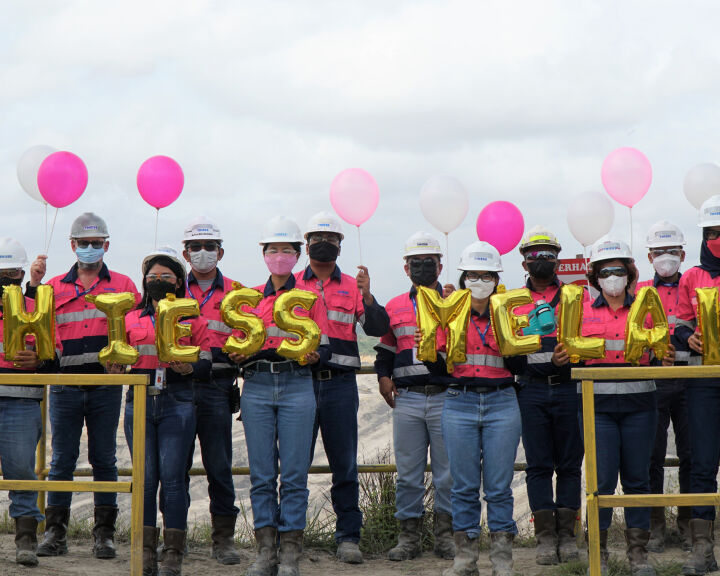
159	289
666	265
4	281
479	288
280	264
424	272
714	247
614	285
323	251
541	269
203	261
89	255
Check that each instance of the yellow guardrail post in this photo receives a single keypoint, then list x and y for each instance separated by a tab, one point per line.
593	508
138	481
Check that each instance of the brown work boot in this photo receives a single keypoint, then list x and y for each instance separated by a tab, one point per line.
637	555
604	554
172	553
657	530
104	532
683	526
501	553
289	553
443	531
266	560
26	540
409	541
223	539
150	544
349	552
56	523
702	558
546	536
567	543
466	556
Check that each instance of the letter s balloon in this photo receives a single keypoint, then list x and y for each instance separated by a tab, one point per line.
307	331
252	326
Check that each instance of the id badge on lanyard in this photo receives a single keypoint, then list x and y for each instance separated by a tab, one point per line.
415	349
160	378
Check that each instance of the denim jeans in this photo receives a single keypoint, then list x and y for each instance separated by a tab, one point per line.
336	419
20	430
482	433
98	407
169	435
417	426
553	445
214	429
624	442
278	412
703	404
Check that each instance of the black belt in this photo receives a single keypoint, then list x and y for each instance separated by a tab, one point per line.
482	389
428	389
553	380
272	367
225	373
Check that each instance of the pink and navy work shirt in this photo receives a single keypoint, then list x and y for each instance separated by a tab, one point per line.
345	308
81	327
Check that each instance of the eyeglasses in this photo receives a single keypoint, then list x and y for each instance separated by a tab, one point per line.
710	234
475	276
619	271
95	243
164	277
197	246
331	238
422	261
655	252
13	273
283	251
541	255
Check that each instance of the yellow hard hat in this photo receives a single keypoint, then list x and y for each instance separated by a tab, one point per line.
539	236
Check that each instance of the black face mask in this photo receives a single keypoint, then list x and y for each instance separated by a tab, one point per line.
324	251
424	272
159	289
5	281
541	269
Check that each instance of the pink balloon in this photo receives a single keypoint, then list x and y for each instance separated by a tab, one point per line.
354	195
626	174
160	181
62	178
501	224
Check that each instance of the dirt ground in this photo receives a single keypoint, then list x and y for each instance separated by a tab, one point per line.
80	562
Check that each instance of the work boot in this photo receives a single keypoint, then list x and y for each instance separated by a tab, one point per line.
702	558
546	552
683	526
150	544
501	553
567	543
466	556
637	555
26	540
443	532
604	554
172	554
104	531
409	541
289	553
223	539
266	559
657	530
56	523
349	552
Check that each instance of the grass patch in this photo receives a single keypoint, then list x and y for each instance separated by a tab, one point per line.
617	567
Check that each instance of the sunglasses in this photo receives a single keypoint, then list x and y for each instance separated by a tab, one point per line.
331	238
13	273
197	246
422	261
655	252
97	244
710	234
619	271
541	255
164	277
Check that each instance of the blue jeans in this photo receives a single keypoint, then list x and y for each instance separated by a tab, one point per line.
20	430
624	442
278	413
214	429
417	425
98	407
703	404
336	419
553	445
169	435
482	433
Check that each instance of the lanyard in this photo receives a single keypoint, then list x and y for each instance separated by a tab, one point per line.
78	294
483	333
207	297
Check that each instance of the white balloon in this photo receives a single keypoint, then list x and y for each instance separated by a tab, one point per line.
590	215
27	169
701	182
444	202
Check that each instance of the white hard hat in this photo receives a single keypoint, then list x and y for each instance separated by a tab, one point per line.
324	222
663	234
422	243
710	212
539	236
89	225
608	248
281	229
12	254
480	256
167	252
202	228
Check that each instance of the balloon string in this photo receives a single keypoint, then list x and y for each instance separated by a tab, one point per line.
45	241
360	245
447	258
52	229
157	216
587	267
631	230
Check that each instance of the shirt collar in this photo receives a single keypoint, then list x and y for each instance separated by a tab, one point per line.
413	290
149	310
270	289
72	276
600	301
657	281
555	282
336	274
217	283
485	314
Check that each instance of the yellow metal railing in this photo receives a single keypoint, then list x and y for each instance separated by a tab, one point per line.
596	501
137	484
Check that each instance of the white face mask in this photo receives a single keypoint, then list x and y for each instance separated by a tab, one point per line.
666	265
479	288
613	286
203	261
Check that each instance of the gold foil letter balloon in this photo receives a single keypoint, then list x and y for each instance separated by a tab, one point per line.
115	306
252	326
17	323
168	331
569	329
507	325
637	337
452	313
305	328
708	315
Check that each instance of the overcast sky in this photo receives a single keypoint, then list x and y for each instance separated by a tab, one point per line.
263	103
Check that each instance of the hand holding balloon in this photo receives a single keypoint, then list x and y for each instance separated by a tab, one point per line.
695	342
560	357
26	360
37	270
